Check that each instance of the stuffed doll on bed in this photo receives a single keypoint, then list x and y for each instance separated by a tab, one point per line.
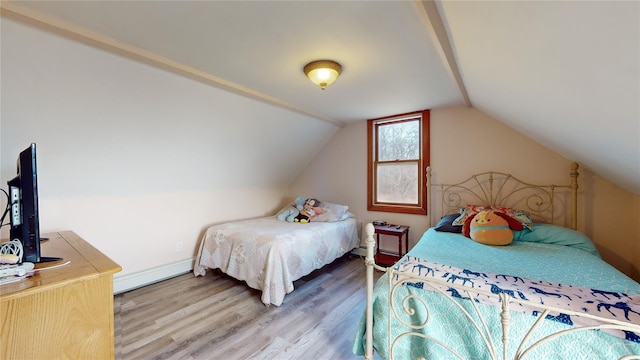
312	207
488	227
289	214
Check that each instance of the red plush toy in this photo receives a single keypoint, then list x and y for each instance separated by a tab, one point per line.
488	227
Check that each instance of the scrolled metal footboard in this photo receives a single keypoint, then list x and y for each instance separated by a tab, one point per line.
409	304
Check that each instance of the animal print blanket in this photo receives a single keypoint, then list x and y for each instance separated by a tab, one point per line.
606	304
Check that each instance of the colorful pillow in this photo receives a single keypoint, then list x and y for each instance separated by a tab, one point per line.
467	211
520	215
446	224
519	218
489	228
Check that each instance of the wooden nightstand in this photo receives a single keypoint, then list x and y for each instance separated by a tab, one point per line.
400	231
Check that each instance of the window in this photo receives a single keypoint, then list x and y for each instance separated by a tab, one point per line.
398	156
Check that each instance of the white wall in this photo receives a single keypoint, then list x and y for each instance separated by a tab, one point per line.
136	159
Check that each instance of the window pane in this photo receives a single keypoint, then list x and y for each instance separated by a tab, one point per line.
397	183
397	158
399	141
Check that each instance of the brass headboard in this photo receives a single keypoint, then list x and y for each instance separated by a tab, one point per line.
555	204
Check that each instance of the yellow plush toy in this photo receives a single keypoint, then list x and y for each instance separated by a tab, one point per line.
489	228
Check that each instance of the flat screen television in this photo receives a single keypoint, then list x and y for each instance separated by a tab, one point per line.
23	202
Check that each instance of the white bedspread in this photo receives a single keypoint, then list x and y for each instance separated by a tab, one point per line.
270	254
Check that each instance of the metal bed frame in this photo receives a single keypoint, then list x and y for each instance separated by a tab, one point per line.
489	188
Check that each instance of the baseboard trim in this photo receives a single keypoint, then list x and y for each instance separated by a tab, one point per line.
136	280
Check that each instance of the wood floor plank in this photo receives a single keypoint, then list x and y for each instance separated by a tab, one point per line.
218	317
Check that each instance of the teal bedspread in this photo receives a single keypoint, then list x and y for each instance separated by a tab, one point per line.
565	261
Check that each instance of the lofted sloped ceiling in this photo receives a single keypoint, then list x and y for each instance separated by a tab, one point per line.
565	73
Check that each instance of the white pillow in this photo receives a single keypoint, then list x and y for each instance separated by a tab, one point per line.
347	215
332	212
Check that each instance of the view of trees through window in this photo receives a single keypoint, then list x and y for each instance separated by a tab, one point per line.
398	154
397	165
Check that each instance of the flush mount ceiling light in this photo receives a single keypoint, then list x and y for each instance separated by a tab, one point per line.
323	72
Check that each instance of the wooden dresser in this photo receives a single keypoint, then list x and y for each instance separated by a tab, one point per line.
64	312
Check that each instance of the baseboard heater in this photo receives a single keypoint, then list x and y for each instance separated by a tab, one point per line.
147	277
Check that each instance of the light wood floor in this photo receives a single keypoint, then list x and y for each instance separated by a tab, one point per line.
217	317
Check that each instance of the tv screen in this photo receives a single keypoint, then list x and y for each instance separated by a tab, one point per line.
23	201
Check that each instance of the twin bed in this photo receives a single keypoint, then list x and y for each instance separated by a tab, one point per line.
547	295
270	254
